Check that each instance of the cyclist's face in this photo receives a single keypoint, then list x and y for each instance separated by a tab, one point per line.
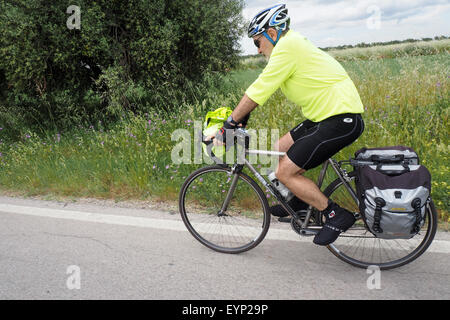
263	44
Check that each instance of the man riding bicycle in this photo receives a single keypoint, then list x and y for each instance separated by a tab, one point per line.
329	101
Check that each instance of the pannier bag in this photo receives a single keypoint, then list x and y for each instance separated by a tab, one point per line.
393	190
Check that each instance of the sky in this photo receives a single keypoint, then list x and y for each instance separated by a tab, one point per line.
329	23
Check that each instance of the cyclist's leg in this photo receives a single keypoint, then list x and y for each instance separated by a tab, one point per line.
313	148
283	145
316	145
291	175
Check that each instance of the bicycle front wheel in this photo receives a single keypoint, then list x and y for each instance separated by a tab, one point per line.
244	222
361	248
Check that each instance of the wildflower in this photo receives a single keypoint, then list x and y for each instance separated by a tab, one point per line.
387	97
167	167
102	142
154	167
1	128
163	122
438	84
58	137
201	179
1	154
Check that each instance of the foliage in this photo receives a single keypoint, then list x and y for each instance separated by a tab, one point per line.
52	76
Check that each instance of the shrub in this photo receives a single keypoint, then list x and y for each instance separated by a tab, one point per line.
127	55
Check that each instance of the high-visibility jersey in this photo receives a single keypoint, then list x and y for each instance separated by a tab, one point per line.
309	77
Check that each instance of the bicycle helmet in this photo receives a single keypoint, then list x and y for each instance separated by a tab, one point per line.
274	17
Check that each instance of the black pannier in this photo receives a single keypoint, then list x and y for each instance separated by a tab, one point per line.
393	191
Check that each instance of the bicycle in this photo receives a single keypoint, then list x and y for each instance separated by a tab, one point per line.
227	211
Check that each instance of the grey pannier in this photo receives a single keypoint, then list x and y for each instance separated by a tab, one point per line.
393	190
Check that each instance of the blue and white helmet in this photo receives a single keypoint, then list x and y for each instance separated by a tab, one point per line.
276	17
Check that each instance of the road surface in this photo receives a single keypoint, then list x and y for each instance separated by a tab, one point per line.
65	250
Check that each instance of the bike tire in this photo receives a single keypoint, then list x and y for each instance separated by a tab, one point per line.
197	233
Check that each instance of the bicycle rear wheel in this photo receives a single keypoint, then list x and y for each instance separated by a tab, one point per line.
244	223
361	248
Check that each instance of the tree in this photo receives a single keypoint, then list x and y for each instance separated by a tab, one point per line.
53	74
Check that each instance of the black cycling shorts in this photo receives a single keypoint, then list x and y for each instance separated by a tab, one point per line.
316	142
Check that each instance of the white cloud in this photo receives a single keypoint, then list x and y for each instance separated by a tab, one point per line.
330	23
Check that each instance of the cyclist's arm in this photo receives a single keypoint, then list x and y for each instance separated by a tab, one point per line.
245	106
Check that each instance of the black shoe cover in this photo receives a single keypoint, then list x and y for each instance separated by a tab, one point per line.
338	220
295	203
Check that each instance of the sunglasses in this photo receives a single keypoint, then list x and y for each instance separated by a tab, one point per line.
257	42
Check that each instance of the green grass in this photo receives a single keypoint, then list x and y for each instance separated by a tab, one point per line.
406	101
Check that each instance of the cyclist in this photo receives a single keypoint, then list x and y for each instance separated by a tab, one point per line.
329	101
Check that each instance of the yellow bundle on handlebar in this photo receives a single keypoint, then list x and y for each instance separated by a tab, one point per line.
213	122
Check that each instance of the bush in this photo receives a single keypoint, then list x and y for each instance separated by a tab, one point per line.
127	56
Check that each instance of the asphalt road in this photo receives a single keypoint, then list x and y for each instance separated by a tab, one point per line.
58	250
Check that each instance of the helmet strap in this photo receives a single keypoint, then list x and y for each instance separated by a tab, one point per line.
270	39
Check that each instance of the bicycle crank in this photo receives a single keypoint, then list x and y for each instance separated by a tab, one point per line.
296	225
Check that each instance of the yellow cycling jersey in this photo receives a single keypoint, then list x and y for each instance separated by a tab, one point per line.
309	77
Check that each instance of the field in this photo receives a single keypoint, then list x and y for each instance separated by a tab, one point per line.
406	99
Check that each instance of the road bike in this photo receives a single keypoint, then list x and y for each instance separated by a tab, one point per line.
226	210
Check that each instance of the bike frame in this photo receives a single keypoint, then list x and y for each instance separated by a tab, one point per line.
241	139
237	168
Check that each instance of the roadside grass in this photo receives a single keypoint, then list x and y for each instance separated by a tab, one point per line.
406	102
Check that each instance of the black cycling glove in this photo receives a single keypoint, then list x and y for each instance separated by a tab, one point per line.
245	120
230	124
222	133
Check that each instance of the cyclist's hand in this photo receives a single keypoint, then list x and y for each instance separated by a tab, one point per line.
221	135
215	141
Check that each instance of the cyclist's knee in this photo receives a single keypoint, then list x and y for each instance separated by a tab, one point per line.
286	169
